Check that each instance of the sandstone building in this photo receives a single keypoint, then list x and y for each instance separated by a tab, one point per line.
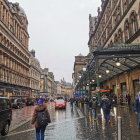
35	73
79	64
14	54
118	22
48	85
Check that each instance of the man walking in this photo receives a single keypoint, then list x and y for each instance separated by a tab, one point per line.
106	106
41	118
94	107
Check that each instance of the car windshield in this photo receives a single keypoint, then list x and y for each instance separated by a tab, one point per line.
60	101
59	98
13	100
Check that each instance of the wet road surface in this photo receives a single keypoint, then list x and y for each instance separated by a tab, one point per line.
78	124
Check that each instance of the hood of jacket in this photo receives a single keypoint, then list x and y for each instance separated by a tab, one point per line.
40	107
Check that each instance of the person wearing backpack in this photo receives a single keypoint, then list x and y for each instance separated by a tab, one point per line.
40	118
106	106
94	106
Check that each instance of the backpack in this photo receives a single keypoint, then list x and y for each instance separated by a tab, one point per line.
42	119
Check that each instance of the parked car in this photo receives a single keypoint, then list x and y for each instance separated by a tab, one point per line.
60	104
30	101
17	103
5	115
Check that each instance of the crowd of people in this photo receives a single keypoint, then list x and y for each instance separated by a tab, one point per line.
41	116
106	104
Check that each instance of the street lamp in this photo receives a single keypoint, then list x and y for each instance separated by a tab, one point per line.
84	69
107	71
118	64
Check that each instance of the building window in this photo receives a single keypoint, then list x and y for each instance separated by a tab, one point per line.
126	30
133	23
120	36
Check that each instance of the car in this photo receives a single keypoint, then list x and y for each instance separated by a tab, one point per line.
17	103
5	115
60	104
30	101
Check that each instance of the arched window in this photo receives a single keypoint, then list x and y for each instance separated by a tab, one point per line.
126	30
111	44
133	23
120	36
125	4
116	39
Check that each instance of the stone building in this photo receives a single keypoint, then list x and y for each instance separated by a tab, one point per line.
66	88
14	54
58	88
79	64
118	22
47	82
43	80
35	73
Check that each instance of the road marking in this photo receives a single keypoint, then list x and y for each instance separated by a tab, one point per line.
33	129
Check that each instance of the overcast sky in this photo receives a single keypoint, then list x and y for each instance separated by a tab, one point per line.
58	31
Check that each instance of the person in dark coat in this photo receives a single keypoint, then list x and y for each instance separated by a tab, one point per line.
94	107
106	106
128	99
137	107
40	129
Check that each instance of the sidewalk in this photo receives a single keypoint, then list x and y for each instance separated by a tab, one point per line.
129	123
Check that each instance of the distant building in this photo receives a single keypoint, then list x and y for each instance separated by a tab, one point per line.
43	80
35	73
66	88
47	82
79	64
58	88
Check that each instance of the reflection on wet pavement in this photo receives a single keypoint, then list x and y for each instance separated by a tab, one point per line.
78	124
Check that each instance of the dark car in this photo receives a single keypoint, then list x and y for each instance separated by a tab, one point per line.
17	103
30	101
5	115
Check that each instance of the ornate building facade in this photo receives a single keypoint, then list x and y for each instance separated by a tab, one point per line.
14	54
118	22
35	73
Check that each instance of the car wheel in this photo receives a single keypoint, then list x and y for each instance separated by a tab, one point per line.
5	129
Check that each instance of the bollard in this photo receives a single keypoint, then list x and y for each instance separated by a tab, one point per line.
119	128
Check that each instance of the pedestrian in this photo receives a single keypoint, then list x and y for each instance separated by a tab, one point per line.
106	106
121	99
137	108
40	118
128	99
71	102
94	107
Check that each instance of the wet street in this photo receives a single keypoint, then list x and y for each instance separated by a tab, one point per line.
75	124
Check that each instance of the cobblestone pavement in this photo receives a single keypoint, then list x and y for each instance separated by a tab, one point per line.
78	124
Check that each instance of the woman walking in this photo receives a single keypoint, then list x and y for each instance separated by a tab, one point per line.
41	118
